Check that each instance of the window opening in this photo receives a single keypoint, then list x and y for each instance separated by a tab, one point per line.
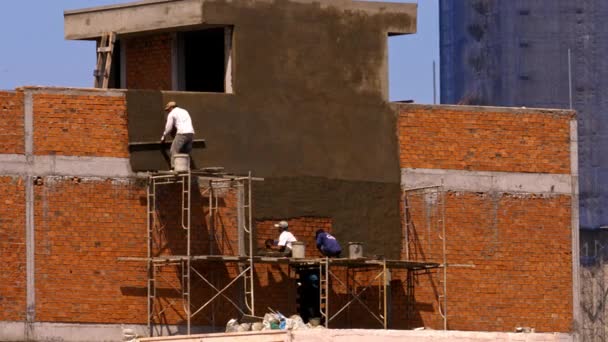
206	60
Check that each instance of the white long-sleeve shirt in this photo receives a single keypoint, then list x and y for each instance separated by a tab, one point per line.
180	119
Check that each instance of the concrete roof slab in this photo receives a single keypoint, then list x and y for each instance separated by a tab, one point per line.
154	15
133	17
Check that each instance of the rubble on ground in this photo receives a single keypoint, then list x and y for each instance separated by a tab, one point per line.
274	321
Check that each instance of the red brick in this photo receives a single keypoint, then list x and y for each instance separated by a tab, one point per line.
11	116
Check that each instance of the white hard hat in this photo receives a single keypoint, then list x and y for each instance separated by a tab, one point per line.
282	224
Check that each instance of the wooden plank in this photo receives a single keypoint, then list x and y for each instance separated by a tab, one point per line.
108	66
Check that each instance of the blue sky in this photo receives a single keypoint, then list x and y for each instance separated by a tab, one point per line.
34	51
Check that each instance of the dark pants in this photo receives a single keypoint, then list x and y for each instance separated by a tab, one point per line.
330	254
182	143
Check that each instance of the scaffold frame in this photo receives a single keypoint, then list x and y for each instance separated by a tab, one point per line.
246	259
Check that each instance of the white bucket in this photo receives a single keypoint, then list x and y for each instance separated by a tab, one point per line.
355	250
298	249
181	162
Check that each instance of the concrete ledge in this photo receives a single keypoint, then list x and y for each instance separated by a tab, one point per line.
356	335
486	181
360	335
72	91
398	107
68	332
20	331
16	164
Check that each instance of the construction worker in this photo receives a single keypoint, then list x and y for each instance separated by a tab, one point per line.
327	244
285	238
178	119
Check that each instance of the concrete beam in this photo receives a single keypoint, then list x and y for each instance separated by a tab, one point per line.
486	181
17	164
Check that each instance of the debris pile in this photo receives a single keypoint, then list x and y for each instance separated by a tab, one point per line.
273	321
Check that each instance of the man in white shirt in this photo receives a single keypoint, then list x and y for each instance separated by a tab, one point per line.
178	119
285	239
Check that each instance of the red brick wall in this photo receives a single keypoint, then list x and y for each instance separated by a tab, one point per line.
12	249
149	62
80	125
519	250
11	116
518	245
471	138
82	227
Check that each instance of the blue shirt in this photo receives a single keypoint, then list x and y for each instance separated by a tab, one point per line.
327	243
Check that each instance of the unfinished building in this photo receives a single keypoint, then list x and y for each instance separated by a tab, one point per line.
468	215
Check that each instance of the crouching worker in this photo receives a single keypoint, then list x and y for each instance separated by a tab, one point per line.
267	250
285	238
327	244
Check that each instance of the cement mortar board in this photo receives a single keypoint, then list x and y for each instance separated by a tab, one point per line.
488	181
17	164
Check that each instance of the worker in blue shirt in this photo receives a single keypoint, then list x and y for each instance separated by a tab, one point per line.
327	244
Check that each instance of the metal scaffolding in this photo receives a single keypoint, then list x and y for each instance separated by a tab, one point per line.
210	183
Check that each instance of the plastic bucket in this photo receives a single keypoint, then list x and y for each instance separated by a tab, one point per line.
355	250
298	249
181	162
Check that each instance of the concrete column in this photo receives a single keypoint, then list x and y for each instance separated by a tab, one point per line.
28	111
576	283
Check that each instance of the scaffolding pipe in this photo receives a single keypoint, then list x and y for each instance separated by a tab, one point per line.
249	205
445	260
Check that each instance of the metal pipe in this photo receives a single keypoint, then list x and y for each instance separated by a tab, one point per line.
434	84
188	220
445	260
384	281
249	205
570	78
150	221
